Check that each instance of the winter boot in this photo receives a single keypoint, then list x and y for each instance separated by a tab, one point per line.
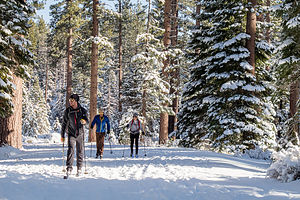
79	172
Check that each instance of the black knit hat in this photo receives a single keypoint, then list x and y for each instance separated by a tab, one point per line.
75	97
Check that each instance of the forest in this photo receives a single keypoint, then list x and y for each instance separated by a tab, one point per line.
205	74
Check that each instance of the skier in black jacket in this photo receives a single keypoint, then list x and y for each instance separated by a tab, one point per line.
75	117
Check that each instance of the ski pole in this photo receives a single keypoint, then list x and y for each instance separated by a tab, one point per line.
110	145
85	172
145	145
123	150
64	157
91	149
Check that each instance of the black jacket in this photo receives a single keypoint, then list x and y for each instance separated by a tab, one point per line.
71	121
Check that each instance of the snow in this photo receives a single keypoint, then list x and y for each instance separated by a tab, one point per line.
165	173
232	85
294	22
2	83
286	167
4	95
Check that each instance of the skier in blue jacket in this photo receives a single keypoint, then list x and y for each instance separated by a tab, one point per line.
102	124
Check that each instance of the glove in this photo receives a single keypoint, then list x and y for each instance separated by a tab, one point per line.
62	139
83	121
143	133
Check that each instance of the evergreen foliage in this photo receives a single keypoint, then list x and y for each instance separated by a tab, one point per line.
14	53
223	101
287	66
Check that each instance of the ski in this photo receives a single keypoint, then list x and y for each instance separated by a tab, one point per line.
66	176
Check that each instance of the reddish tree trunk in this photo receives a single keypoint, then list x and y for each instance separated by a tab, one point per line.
163	134
294	97
144	105
175	79
94	71
198	8
120	56
251	30
11	127
268	20
47	77
69	66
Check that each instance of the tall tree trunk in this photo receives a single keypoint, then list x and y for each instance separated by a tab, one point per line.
11	127
175	79
164	117
109	95
268	20
47	77
251	30
294	97
69	66
144	105
198	8
120	56
94	71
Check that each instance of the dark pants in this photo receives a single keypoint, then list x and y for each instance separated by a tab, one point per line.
100	143
79	150
136	138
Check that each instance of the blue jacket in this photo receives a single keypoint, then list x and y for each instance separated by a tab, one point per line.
100	124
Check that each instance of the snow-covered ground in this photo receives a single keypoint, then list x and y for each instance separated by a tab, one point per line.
165	173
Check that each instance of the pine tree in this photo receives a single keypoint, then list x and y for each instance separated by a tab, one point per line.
35	110
287	66
223	101
13	67
65	22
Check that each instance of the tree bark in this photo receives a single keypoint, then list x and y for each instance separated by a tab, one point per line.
109	95
69	66
198	8
144	105
175	79
164	117
94	71
120	56
11	127
294	97
251	30
268	20
47	77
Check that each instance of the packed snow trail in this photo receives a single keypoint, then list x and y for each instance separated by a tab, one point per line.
165	173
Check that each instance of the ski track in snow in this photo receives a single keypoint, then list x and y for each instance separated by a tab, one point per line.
165	173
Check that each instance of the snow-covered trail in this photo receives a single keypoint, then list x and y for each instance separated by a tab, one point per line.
165	173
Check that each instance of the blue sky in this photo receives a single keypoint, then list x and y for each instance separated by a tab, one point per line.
45	13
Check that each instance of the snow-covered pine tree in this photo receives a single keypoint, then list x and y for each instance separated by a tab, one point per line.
131	97
223	101
147	64
14	53
14	58
35	110
38	34
287	68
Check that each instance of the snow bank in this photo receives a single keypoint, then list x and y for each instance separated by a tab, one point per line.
286	165
51	138
8	152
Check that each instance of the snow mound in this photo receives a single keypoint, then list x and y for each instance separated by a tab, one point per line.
8	152
51	138
286	165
